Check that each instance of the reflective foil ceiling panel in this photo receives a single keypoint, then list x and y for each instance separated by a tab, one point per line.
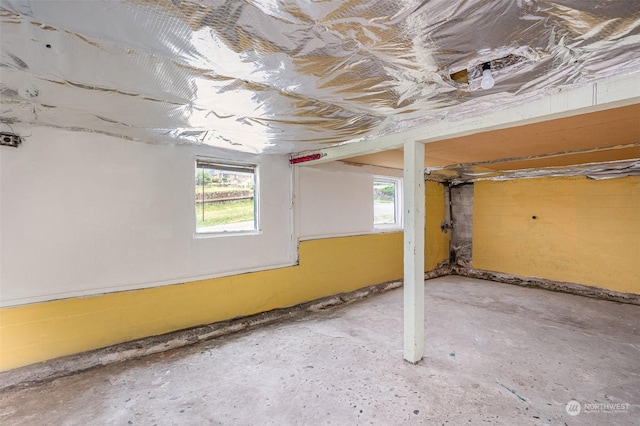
269	76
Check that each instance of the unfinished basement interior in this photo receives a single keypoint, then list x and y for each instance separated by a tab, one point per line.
247	212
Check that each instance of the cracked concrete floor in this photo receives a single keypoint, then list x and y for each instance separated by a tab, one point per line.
496	354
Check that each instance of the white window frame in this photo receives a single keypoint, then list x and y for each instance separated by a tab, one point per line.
225	165
399	218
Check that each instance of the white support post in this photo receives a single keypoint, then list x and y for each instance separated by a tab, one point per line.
414	220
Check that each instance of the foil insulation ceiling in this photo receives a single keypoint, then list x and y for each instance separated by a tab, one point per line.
276	76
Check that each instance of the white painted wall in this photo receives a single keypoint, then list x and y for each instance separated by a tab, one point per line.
84	213
336	199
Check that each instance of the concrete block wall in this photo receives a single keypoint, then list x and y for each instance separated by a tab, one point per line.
567	229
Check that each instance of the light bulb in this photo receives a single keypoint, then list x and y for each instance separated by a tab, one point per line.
487	79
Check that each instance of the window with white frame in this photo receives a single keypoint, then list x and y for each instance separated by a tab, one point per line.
225	197
387	208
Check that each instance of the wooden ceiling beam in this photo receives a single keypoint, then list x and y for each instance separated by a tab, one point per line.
613	92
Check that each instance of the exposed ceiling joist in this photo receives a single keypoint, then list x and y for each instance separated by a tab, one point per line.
605	94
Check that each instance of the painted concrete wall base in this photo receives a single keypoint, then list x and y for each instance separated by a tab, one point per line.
59	367
72	364
442	270
564	287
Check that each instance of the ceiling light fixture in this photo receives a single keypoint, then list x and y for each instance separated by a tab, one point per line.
487	81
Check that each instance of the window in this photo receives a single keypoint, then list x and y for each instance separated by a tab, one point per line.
387	207
225	197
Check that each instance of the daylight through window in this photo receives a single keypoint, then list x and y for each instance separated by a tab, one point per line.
386	203
225	197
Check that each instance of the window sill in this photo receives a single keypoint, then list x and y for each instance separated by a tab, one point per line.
216	234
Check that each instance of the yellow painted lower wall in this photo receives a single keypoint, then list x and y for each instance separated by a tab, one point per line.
47	330
42	331
563	229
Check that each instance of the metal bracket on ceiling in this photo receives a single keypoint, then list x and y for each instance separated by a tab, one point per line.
10	138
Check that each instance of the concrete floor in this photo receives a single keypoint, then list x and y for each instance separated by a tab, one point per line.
496	354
